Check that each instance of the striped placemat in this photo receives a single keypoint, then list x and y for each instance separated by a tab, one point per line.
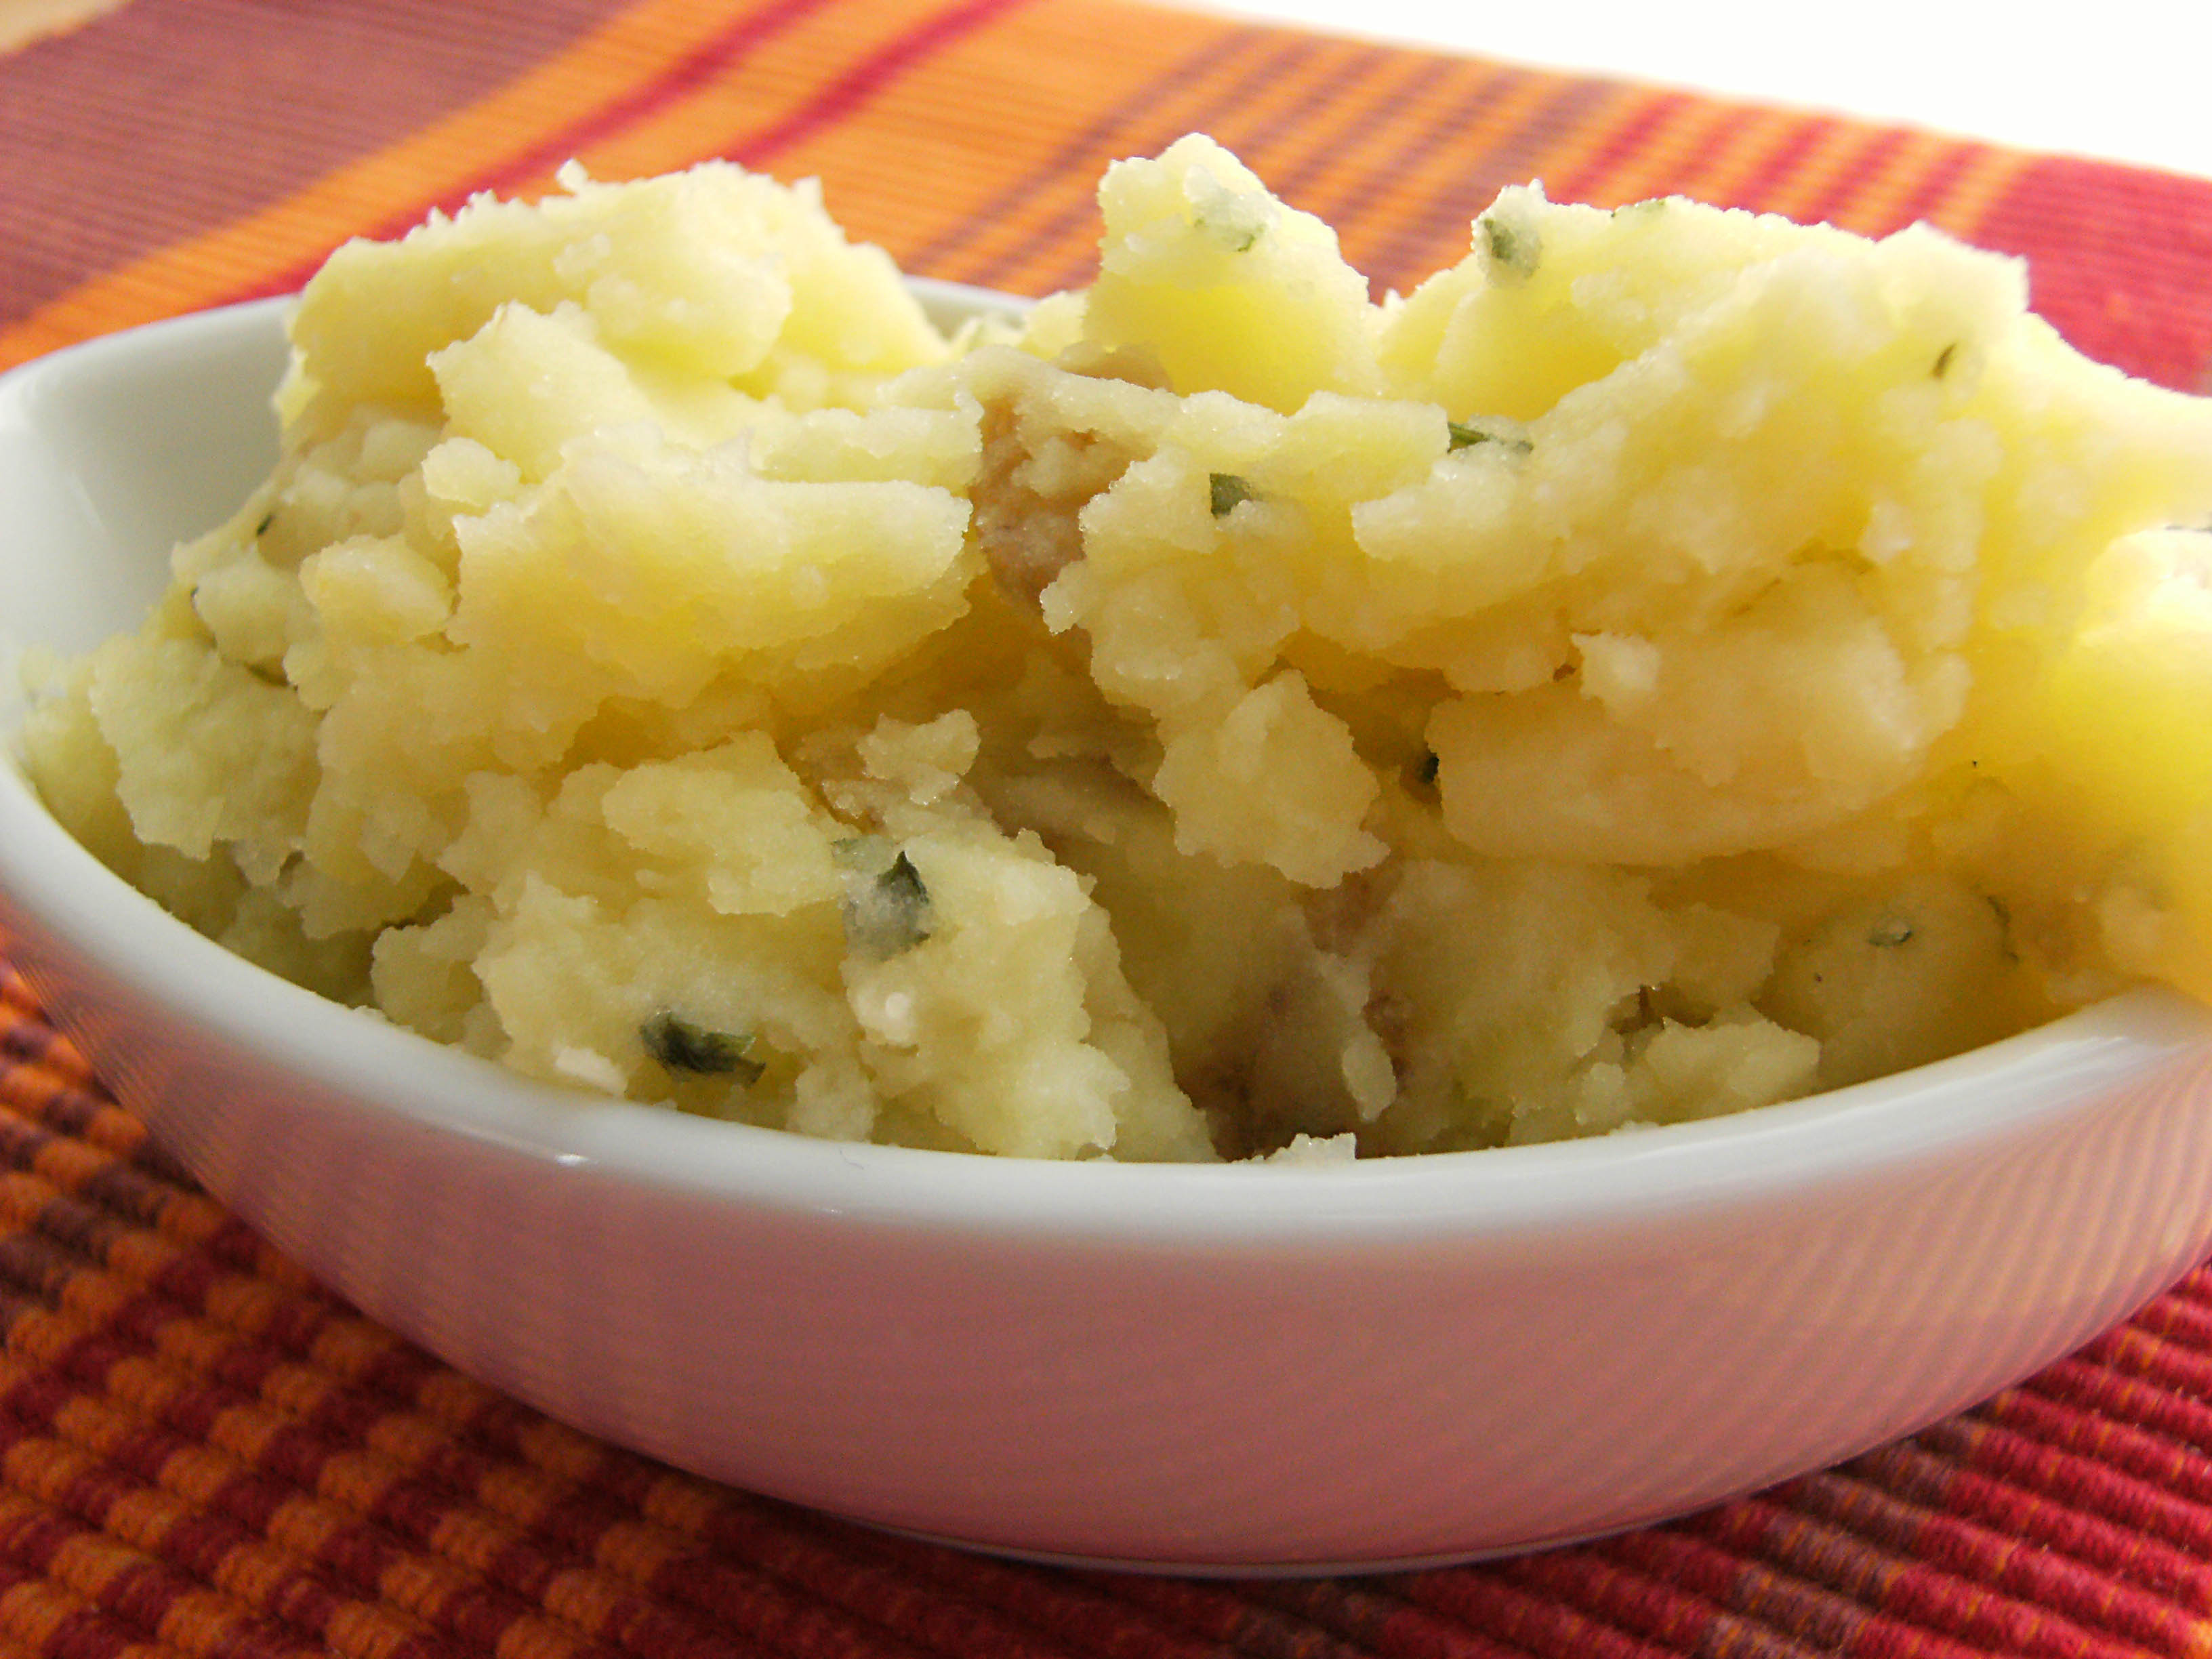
200	1453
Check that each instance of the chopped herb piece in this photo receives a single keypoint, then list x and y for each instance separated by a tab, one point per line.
1234	222
1943	360
267	519
1888	934
2003	912
1512	249
1237	239
889	914
1425	773
1227	489
1507	434
682	1047
904	879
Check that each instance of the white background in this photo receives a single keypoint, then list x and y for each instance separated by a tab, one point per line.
2125	80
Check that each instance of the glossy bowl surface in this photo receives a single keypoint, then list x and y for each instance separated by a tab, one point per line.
1235	1369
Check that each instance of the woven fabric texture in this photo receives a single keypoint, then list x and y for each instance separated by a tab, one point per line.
202	1453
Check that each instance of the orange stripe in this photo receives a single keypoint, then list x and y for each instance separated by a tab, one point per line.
360	1630
33	1614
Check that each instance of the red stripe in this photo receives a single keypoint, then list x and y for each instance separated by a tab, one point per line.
2178	1319
1679	1619
1938	1572
854	89
1766	1614
878	1573
2134	1352
2144	1507
1539	1620
2093	1392
2123	1439
2102	1571
2196	1287
1372	1613
1227	1615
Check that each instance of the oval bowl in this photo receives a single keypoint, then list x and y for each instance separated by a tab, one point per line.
1237	1369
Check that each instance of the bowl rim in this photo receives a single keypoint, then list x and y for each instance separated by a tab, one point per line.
79	913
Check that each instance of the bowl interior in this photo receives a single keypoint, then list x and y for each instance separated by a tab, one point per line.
112	451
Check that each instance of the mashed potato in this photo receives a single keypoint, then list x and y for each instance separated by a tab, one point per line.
1673	661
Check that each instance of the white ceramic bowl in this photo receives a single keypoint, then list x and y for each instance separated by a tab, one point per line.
1231	1368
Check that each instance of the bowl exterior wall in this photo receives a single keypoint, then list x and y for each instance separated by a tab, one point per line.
1260	1406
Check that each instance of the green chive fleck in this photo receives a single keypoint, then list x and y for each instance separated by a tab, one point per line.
267	519
1943	360
1507	434
1513	251
1225	490
889	914
1235	224
681	1046
1887	935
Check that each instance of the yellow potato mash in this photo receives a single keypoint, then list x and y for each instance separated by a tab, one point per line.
1672	661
